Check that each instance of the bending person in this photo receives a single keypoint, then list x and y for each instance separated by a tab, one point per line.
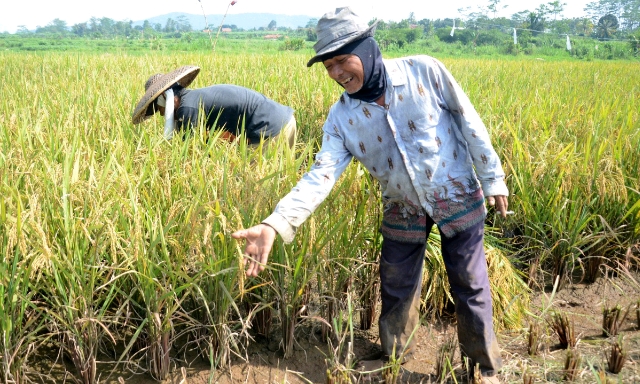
232	108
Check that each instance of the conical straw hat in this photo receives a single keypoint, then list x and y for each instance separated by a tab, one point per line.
157	84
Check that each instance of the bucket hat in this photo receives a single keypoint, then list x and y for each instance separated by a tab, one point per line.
157	84
338	28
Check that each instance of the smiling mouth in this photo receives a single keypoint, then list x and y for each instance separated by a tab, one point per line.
346	81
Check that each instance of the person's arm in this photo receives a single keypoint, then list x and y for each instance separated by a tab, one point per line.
297	205
485	159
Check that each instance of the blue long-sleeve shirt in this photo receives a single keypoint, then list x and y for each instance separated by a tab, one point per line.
422	146
234	109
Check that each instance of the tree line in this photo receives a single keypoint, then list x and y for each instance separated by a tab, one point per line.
604	19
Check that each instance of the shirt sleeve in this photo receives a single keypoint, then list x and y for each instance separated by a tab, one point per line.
473	131
311	190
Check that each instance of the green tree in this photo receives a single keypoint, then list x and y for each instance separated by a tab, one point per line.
520	19
80	29
583	27
170	26
494	7
311	34
272	25
631	14
555	8
634	43
626	11
535	22
94	26
57	26
412	18
107	26
183	24
22	30
607	27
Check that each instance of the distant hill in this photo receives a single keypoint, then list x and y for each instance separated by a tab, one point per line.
243	20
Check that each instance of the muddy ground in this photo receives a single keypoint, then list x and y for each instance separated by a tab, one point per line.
582	303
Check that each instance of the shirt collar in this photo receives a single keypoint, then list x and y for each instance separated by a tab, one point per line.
394	73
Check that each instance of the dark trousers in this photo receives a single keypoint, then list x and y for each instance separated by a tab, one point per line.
401	281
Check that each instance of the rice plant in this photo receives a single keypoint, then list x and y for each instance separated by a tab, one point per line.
564	329
572	365
116	242
21	316
617	356
341	362
576	174
445	357
612	319
508	288
533	340
339	260
391	369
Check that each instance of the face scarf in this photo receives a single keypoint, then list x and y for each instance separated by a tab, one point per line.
375	75
169	121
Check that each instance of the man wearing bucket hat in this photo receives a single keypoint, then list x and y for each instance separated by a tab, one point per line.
412	126
232	108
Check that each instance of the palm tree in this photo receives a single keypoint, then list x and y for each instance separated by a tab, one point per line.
536	22
607	26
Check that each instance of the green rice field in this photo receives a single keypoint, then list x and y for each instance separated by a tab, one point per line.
115	242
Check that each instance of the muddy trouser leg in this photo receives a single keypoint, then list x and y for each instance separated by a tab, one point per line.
466	266
400	287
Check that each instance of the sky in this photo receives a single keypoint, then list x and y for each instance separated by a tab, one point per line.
36	13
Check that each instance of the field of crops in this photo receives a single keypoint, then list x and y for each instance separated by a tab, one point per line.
116	244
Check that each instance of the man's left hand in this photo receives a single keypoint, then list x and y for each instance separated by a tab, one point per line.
500	203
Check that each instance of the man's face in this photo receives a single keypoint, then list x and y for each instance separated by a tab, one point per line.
159	104
347	70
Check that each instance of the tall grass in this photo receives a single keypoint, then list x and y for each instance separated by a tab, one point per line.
116	243
567	132
21	316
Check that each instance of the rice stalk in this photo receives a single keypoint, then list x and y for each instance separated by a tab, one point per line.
617	356
341	360
21	317
533	344
79	182
572	365
445	357
564	328
509	289
612	319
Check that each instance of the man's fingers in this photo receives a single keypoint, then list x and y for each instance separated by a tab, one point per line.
263	261
241	234
491	200
250	270
256	264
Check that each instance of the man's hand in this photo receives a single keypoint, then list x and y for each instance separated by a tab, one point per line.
500	202
259	242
